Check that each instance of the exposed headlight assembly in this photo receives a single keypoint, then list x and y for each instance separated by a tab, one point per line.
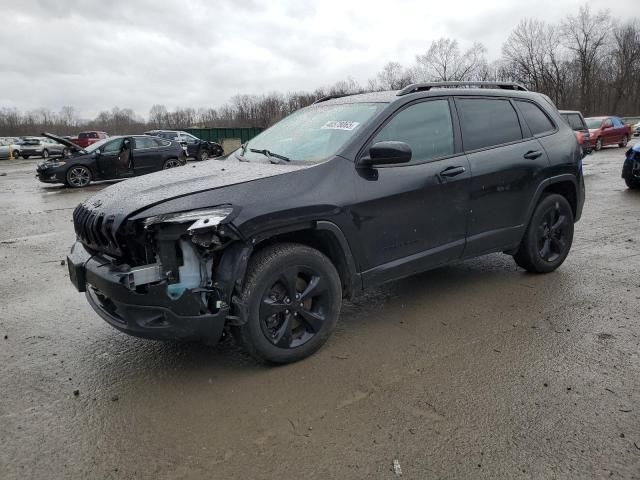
202	219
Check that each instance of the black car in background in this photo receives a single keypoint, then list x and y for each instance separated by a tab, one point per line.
111	158
338	197
194	146
576	121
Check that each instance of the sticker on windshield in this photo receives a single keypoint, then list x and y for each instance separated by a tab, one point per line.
339	125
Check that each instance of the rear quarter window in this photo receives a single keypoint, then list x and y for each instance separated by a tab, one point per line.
535	118
575	122
487	122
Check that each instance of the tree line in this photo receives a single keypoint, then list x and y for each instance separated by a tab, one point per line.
589	61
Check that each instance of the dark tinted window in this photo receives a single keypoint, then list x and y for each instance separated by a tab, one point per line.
145	142
536	119
83	135
425	127
487	122
112	146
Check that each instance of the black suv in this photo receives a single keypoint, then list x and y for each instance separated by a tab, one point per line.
194	147
338	197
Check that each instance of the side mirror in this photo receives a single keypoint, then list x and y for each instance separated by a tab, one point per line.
386	153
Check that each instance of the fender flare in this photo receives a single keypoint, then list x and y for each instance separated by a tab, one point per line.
231	271
542	187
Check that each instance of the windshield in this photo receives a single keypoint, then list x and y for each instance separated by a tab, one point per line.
312	134
593	123
94	146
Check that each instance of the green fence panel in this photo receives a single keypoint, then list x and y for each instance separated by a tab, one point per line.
218	134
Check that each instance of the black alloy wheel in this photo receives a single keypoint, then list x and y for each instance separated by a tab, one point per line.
548	238
292	308
552	232
293	296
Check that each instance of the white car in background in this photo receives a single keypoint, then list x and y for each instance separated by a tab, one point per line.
9	145
636	129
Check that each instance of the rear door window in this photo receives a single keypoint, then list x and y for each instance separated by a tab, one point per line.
487	122
426	127
575	122
617	122
144	142
535	118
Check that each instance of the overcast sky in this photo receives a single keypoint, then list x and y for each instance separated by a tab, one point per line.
96	54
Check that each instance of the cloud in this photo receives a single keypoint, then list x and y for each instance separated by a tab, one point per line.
95	55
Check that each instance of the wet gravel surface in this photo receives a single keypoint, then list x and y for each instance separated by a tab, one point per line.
476	370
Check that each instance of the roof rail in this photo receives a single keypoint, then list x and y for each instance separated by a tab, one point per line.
331	97
426	86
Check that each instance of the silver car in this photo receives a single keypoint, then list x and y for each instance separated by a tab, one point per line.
42	147
9	146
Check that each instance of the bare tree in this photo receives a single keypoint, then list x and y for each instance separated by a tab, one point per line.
586	35
444	61
392	77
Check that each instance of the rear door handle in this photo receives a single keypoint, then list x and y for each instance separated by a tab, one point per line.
452	171
532	154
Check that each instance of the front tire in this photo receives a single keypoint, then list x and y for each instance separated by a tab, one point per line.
15	154
632	183
599	144
548	238
293	296
45	154
78	176
625	140
26	157
203	155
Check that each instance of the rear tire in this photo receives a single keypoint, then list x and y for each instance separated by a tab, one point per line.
26	157
45	154
293	296
625	140
203	155
548	238
15	154
172	163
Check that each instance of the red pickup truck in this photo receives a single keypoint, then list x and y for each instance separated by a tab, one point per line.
607	131
87	138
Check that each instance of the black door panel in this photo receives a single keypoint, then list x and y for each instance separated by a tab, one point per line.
410	218
504	179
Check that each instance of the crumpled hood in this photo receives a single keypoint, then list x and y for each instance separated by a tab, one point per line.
130	196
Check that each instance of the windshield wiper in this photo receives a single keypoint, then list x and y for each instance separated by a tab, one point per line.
270	155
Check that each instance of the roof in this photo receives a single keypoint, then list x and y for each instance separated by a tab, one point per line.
392	95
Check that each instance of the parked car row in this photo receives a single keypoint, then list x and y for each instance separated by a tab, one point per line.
26	147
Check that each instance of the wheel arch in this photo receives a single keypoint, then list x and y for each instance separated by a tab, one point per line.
565	185
324	236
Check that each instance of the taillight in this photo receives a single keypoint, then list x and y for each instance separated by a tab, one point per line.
579	137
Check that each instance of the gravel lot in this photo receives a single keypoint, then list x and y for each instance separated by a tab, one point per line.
477	370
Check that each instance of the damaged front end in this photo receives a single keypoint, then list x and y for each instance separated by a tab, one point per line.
166	276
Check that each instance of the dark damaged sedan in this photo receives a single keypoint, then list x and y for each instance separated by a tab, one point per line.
109	159
338	197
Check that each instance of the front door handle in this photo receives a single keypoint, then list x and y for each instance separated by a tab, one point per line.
532	154
452	171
